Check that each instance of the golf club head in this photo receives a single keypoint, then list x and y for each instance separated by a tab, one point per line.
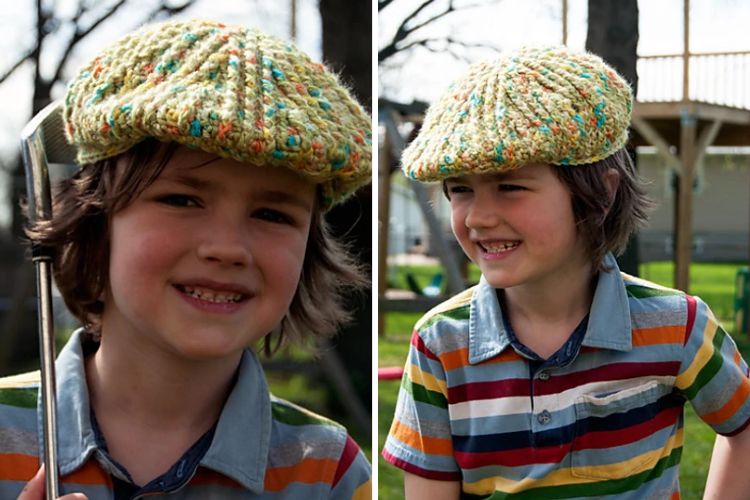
43	142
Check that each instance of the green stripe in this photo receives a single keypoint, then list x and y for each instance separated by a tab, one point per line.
461	313
422	394
645	292
605	487
293	416
709	369
21	398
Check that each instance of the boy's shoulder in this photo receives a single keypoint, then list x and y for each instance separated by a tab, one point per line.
454	308
290	414
639	288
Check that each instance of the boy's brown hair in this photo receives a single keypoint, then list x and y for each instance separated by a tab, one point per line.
79	236
606	220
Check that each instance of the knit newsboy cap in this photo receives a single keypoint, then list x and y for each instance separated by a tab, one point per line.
547	105
227	90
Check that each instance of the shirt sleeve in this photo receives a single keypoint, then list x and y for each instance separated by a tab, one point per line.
352	478
419	441
713	376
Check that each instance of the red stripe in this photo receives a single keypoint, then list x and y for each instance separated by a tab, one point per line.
620	437
347	457
413	469
522	387
513	458
691	307
417	342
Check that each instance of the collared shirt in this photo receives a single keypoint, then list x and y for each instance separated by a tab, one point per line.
262	447
607	423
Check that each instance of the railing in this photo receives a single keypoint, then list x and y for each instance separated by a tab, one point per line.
716	78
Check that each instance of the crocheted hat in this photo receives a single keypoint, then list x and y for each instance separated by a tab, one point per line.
228	90
537	105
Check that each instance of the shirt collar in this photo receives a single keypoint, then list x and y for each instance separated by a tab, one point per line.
609	325
239	455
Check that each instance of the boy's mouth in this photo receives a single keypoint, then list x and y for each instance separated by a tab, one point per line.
210	295
496	247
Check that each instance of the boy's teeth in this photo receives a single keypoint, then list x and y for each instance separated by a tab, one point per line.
499	247
212	295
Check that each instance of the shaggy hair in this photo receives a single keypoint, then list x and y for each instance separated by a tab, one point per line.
79	235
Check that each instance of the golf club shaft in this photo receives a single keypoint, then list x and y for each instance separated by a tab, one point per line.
47	368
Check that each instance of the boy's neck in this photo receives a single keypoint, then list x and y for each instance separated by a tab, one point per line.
151	408
553	310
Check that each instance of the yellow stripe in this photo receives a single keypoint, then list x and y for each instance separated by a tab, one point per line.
364	492
454	302
21	380
686	378
572	475
426	380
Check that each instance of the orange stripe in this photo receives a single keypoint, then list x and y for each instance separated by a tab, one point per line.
460	358
363	492
675	496
672	334
308	471
427	444
731	406
90	473
17	467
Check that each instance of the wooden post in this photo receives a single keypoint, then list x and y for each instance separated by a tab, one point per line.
686	52
565	22
684	212
384	213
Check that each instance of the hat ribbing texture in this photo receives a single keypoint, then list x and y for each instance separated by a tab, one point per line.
227	90
547	105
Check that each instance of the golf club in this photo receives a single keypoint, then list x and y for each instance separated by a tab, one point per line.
43	142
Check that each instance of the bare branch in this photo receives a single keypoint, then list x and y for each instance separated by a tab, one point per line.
404	30
17	64
382	4
81	34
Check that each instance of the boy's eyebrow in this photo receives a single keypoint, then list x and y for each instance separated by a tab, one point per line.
267	195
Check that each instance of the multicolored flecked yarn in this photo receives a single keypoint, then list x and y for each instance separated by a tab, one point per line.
228	90
537	105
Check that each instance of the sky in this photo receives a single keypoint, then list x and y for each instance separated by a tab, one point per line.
716	25
17	20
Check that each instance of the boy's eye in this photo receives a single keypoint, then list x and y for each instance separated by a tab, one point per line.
458	189
271	215
510	187
179	200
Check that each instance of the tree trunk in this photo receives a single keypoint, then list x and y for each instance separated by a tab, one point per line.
347	48
613	35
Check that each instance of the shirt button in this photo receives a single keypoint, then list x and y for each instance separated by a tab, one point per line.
544	417
543	375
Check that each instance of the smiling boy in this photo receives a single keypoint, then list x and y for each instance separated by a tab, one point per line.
193	230
556	376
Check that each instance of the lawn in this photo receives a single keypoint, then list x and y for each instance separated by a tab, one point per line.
714	283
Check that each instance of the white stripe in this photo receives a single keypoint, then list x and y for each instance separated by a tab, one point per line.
555	402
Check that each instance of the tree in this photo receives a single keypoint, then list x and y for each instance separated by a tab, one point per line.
613	34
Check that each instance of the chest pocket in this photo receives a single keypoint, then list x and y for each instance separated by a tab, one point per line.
625	432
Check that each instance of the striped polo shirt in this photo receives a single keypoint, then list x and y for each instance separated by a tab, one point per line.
262	447
605	421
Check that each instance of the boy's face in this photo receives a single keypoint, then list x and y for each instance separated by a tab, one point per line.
207	258
518	226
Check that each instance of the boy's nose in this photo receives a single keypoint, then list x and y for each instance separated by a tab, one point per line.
480	215
225	245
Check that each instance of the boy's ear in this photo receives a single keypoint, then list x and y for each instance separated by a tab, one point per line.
612	181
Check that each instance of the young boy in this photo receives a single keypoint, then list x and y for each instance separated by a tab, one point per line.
194	227
556	376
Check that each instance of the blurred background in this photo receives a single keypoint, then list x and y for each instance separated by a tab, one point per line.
689	64
43	43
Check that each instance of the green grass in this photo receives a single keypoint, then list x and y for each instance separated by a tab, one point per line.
714	283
